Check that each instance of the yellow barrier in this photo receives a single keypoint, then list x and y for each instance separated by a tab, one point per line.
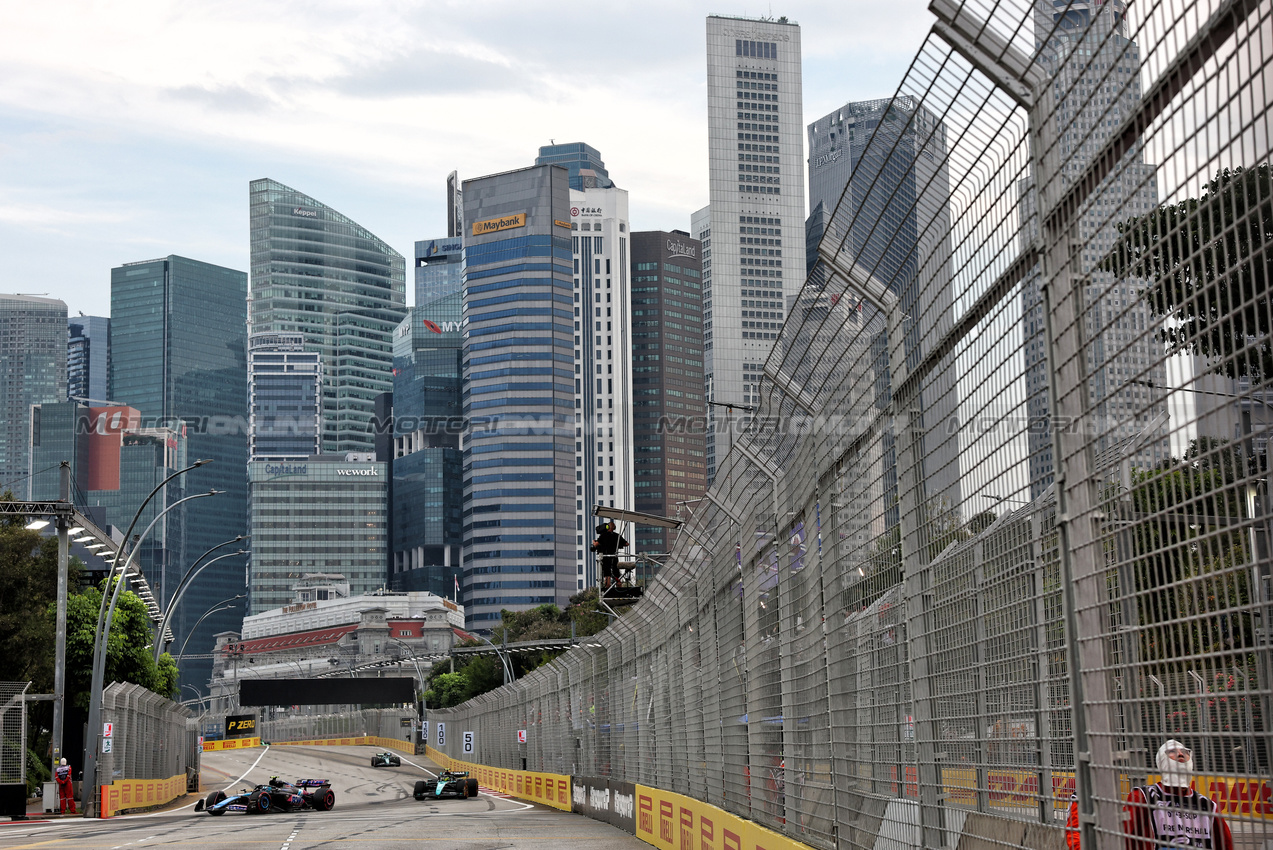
675	822
231	744
550	789
124	794
356	741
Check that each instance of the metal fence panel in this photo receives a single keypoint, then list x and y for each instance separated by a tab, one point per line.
998	528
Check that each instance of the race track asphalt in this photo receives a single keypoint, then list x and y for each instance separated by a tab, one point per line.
374	809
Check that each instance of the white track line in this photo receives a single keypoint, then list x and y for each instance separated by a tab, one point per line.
191	805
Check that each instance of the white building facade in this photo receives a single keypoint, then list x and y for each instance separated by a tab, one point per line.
757	207
603	363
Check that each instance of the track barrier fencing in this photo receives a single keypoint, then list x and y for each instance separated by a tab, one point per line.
998	528
152	753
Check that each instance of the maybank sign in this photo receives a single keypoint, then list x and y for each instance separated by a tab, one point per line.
494	225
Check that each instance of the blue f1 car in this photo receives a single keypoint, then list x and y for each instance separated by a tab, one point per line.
274	796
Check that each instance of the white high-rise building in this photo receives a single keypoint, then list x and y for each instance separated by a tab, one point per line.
603	363
757	210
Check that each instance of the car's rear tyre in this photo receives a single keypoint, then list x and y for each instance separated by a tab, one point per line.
324	800
420	789
212	799
259	803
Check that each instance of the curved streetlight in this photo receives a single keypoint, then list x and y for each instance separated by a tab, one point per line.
186	581
508	669
191	572
102	633
215	607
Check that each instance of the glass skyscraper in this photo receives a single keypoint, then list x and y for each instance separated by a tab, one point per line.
895	149
519	374
88	354
667	366
428	409
319	274
178	355
285	384
326	515
32	371
587	171
1084	48
756	157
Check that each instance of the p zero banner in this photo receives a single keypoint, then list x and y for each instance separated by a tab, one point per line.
240	726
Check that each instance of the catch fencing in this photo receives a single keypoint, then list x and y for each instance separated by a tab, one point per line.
999	525
390	723
13	733
152	738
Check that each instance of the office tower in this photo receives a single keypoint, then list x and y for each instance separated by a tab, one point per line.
667	378
1095	74
319	274
756	154
115	462
879	168
428	407
284	386
323	516
178	355
587	171
454	208
701	230
604	447
32	371
518	358
88	354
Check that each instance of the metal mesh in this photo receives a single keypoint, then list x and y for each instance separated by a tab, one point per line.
380	722
151	736
998	529
13	733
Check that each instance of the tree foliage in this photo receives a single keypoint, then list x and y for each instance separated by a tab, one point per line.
28	585
129	652
1187	577
1209	261
476	674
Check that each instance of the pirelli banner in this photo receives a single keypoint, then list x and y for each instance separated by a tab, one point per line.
124	795
675	822
231	744
358	741
550	789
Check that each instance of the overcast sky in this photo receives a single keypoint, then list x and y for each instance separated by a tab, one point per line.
130	130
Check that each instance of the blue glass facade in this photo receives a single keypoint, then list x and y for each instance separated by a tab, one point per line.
317	273
88	355
582	161
428	413
519	393
178	355
32	371
285	382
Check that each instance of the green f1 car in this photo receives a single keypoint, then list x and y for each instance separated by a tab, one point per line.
448	784
386	759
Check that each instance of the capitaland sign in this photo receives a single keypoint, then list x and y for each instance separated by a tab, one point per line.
304	213
286	469
371	471
677	248
494	225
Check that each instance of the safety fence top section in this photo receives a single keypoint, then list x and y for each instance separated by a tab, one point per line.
996	539
150	737
13	733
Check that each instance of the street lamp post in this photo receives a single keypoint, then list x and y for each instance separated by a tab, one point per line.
214	609
102	635
508	669
191	572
